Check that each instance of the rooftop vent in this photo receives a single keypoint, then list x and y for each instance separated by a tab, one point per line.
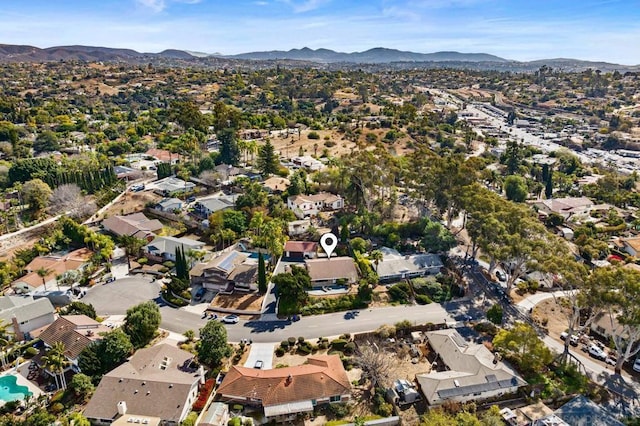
456	383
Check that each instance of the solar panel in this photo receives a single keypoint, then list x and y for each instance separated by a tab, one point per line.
481	387
459	340
227	264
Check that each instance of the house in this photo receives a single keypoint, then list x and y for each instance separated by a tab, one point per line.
127	173
133	225
169	205
304	206
308	162
163	156
606	325
165	247
298	227
228	270
631	245
471	371
566	207
581	411
76	332
395	266
171	186
283	393
56	265
26	314
207	206
227	171
276	184
328	272
155	383
300	250
217	414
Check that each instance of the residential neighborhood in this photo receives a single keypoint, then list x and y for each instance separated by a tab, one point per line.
299	245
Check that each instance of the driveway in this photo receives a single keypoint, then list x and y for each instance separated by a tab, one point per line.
530	302
116	297
262	352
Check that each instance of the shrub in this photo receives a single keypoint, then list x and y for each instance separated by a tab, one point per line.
280	351
313	135
338	344
292	341
385	409
329	144
284	344
300	340
205	391
494	314
30	352
423	299
56	408
339	410
346	336
349	348
234	422
304	350
143	261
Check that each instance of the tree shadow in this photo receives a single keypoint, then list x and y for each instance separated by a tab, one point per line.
266	326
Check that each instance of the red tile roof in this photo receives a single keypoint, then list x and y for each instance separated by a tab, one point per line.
300	246
322	377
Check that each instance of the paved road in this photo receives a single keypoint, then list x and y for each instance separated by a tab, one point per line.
115	298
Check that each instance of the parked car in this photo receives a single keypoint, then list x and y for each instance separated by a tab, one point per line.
573	341
201	291
191	199
564	335
258	364
230	319
611	360
501	275
597	353
636	365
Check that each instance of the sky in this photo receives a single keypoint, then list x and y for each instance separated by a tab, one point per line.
599	30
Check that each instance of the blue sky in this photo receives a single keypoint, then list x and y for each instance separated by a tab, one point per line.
606	30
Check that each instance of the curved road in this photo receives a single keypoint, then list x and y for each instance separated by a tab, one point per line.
115	298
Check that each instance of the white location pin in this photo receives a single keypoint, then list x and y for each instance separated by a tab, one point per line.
329	243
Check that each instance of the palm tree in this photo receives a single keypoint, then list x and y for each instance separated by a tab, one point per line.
42	273
132	246
5	342
376	256
56	362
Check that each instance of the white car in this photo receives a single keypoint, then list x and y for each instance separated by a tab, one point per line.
636	365
597	353
230	319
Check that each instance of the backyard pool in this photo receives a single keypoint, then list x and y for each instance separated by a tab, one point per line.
10	390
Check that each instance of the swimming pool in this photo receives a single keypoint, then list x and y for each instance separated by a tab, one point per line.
10	390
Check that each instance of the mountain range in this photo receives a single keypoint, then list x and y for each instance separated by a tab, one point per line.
374	57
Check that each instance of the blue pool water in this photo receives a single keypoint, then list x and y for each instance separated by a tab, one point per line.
10	390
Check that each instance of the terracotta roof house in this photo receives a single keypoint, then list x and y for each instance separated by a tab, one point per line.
135	225
285	392
76	332
163	155
228	270
56	264
304	206
472	372
165	247
300	249
26	314
155	384
327	272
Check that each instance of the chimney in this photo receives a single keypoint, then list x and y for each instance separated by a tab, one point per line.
201	373
122	408
16	329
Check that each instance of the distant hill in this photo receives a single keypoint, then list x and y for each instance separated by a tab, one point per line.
373	59
14	53
378	55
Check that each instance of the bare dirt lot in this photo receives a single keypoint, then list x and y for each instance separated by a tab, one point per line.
246	302
132	202
555	315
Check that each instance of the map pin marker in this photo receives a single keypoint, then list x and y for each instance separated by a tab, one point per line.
328	242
